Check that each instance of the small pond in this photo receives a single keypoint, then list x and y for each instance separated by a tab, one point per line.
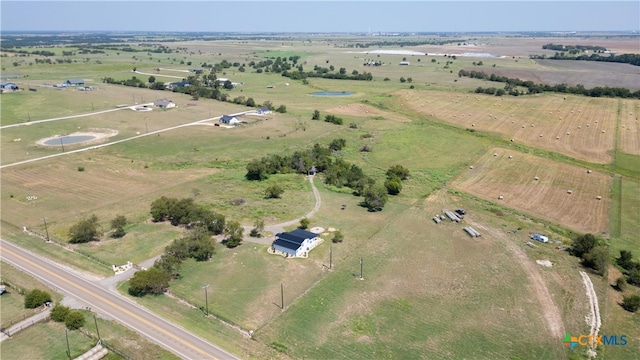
66	140
332	93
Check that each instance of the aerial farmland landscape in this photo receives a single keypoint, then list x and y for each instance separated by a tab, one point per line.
287	189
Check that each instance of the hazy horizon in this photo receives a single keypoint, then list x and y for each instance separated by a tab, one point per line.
320	16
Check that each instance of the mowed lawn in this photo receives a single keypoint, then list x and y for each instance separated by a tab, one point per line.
557	192
428	291
46	340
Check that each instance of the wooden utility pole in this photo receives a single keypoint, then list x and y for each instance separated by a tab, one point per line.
281	296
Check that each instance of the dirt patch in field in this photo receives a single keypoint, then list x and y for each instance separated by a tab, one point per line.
366	110
576	126
557	192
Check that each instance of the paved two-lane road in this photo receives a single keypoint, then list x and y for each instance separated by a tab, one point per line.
173	338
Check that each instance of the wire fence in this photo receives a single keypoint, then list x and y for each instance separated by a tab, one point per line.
106	345
10	331
65	245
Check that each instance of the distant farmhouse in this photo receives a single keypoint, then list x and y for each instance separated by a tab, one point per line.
164	104
8	86
74	82
263	111
406	63
296	243
230	120
196	70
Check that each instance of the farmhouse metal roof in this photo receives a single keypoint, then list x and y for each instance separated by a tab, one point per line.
297	236
286	244
162	102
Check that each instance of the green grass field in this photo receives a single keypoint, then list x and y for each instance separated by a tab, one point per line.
430	291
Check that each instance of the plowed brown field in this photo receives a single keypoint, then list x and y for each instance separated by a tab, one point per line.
495	175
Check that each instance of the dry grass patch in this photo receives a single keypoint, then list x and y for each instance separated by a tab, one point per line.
496	175
629	127
577	126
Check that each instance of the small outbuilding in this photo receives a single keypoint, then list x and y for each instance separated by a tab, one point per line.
405	63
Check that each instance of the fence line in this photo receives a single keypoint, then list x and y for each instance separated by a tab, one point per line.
51	239
26	325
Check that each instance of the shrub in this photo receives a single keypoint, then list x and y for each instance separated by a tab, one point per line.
274	191
74	320
150	281
366	148
337	237
393	186
597	259
35	298
621	284
631	303
583	244
59	313
304	223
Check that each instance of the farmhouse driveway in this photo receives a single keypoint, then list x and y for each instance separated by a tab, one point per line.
278	228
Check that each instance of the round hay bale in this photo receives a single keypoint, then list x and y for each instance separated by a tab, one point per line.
512	140
472	124
587	125
532	125
596	121
471	167
523	126
603	131
540	135
557	137
569	192
568	133
510	157
598	197
536	178
495	154
579	127
588	171
500	197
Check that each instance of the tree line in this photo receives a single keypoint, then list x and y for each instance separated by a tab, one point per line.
573	49
196	243
633	59
533	88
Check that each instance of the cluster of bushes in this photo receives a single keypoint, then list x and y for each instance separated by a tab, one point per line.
630	268
186	212
337	172
395	175
533	88
72	319
133	82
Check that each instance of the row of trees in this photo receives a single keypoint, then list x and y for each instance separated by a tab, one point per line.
355	75
533	88
573	49
186	212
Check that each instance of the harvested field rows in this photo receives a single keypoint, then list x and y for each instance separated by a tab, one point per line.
576	126
562	193
630	127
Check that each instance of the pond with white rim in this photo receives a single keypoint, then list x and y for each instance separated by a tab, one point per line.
68	140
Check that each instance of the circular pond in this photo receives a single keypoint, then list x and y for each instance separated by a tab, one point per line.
332	93
67	140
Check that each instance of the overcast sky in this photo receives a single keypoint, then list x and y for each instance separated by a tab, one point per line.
320	16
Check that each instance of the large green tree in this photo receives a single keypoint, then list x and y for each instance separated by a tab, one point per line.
84	231
150	281
597	259
59	313
583	244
